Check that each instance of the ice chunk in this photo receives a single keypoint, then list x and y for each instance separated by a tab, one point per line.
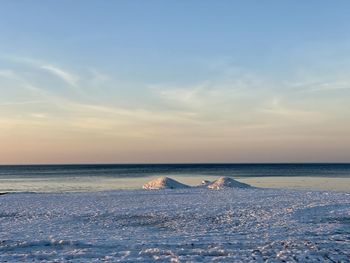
227	182
164	183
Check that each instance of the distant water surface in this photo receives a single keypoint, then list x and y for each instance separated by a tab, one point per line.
142	170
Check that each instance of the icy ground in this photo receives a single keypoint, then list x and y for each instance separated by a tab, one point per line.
233	225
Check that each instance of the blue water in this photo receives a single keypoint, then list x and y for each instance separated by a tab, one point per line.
145	170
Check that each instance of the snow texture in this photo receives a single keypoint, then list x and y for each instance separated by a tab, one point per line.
194	224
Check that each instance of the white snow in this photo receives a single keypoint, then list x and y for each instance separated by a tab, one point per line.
227	182
168	183
193	224
164	183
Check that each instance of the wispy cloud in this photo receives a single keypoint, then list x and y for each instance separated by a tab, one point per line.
8	73
320	83
275	107
226	99
233	103
38	115
10	103
188	96
328	86
62	74
68	77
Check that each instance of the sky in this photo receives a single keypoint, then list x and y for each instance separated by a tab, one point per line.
174	81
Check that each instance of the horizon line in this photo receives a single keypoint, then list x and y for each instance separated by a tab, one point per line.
170	163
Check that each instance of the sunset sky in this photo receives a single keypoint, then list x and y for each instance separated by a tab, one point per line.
174	81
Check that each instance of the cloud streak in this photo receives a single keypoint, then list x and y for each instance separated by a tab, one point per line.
11	103
66	76
69	78
8	74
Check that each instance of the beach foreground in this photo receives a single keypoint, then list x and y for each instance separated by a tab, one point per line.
247	225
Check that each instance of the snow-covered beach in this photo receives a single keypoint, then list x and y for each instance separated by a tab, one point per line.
177	225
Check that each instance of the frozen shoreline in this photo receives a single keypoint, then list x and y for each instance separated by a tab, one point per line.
176	225
98	183
301	183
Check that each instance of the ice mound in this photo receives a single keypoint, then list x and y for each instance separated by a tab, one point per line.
164	183
227	182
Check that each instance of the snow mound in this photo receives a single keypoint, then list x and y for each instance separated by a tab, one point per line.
164	183
227	182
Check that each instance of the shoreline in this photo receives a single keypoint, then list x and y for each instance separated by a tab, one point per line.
97	184
304	183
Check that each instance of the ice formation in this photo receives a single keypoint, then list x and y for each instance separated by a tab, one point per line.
227	182
164	183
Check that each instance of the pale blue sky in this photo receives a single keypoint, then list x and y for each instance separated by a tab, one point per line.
174	81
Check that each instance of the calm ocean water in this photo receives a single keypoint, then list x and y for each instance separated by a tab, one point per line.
111	176
145	170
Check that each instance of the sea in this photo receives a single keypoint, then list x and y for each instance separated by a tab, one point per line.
96	177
